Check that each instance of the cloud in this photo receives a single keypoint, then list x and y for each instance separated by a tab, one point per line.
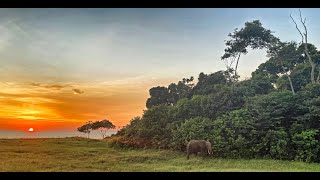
53	86
77	91
35	84
56	86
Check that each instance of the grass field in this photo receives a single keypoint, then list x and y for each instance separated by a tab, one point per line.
84	155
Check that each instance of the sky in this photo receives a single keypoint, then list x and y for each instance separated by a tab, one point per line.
60	68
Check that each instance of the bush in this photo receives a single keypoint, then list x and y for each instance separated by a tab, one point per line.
233	133
306	145
274	145
194	128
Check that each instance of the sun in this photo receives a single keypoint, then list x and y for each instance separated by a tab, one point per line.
30	130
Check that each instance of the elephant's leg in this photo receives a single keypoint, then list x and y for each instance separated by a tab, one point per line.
203	152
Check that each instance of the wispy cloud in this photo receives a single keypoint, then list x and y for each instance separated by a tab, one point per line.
6	33
35	84
53	86
77	91
56	86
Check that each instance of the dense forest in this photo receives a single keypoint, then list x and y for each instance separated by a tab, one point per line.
273	114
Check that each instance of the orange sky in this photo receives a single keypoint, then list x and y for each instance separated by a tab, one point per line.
58	106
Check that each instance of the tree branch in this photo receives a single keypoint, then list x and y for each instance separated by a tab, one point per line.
305	38
305	27
297	29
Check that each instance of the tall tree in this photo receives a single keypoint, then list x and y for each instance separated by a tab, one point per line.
255	36
252	35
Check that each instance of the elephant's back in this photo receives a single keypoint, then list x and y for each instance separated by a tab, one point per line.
196	144
196	141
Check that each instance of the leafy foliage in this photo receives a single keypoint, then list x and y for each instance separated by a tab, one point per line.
193	128
232	134
171	94
102	126
256	117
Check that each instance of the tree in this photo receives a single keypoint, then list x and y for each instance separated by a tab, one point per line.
304	41
132	129
268	69
255	36
86	128
252	35
103	126
193	128
300	76
155	120
274	116
232	133
171	94
158	95
286	57
181	90
190	108
208	84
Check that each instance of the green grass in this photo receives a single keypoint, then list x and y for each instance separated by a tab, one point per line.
79	154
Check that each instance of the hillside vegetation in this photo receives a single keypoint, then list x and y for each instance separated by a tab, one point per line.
274	114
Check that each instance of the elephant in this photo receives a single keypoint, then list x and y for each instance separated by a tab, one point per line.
199	146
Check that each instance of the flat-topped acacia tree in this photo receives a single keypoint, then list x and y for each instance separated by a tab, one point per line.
86	128
103	126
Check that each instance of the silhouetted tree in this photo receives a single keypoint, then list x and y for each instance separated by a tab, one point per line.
86	128
171	94
102	126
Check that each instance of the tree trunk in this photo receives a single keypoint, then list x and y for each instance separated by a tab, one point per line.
292	89
318	78
103	133
311	62
235	71
288	76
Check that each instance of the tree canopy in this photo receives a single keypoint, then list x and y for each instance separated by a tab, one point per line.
102	126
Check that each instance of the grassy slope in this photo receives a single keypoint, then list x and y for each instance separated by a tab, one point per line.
78	154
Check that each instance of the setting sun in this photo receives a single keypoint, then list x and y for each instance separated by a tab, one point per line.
30	130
